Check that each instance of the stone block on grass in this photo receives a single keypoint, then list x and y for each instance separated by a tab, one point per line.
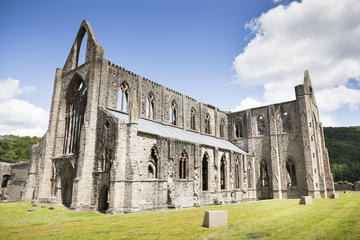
215	219
305	200
334	196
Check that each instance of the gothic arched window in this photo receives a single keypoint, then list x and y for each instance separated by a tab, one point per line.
123	97
264	175
290	173
286	122
150	113
153	163
237	130
237	173
172	113
223	173
183	165
222	126
207	124
76	98
192	118
249	175
204	169
261	125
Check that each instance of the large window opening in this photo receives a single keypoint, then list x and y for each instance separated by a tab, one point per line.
264	175
183	165
290	173
74	114
204	168
150	106
123	97
153	163
222	173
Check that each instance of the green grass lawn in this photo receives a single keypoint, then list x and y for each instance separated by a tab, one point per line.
271	219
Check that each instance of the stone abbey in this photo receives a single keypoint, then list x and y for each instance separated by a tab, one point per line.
118	142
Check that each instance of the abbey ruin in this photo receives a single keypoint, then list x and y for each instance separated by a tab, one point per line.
118	142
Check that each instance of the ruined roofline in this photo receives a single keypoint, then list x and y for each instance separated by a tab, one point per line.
264	106
160	85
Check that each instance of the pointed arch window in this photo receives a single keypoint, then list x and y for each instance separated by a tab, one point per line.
207	124
290	173
264	175
286	122
237	174
153	163
223	173
192	118
261	125
150	113
172	112
249	175
237	130
222	126
183	165
123	97
76	98
204	174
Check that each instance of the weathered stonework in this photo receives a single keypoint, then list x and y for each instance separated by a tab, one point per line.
13	182
118	142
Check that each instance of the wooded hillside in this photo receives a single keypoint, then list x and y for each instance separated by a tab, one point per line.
16	149
343	144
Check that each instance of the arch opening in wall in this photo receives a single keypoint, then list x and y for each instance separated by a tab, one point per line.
291	173
264	174
249	175
207	124
261	125
103	201
150	102
204	168
237	174
123	97
76	99
153	163
183	162
5	180
172	112
82	50
67	178
222	126
237	129
286	122
192	118
223	173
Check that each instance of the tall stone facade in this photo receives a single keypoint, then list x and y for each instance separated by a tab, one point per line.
118	142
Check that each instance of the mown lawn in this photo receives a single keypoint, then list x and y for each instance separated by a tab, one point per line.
271	219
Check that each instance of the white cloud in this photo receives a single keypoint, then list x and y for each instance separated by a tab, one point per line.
10	88
248	103
17	116
318	35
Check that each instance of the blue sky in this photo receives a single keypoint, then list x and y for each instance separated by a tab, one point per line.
189	46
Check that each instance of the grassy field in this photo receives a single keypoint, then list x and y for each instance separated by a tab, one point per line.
271	219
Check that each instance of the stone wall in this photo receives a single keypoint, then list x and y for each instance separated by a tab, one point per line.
13	187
